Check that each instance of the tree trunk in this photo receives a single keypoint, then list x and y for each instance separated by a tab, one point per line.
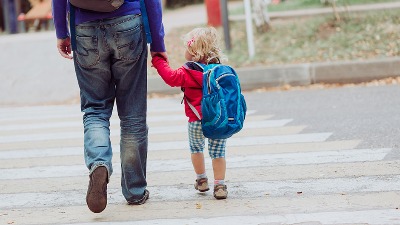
260	14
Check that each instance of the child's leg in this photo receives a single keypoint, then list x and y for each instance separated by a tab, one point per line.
196	143
198	163
219	168
216	149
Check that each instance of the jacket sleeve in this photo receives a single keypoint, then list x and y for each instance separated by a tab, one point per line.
154	13
60	18
174	78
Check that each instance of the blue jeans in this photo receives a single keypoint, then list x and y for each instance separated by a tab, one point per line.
110	64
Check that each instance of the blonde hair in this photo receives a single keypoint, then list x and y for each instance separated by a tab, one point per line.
203	44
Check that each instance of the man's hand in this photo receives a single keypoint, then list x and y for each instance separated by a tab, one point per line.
162	54
64	47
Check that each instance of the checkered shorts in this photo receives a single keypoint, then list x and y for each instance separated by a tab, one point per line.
216	147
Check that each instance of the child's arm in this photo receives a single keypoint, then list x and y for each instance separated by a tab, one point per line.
174	78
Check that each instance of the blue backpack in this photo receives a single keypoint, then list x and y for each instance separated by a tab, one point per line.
223	106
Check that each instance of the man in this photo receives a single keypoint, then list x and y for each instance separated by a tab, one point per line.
110	64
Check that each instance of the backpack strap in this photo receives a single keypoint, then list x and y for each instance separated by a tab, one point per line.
209	60
193	109
72	26
145	21
73	31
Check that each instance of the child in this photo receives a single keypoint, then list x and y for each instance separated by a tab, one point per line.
202	47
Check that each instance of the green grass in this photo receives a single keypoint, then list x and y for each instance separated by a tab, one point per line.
358	36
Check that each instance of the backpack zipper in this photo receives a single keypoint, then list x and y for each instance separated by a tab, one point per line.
209	82
225	75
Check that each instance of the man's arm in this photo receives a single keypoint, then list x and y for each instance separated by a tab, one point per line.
154	13
60	18
61	25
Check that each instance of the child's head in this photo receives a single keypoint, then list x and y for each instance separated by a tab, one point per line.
202	45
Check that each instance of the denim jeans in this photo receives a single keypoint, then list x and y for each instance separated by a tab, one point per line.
110	64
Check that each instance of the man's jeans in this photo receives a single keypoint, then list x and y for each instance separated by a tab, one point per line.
110	64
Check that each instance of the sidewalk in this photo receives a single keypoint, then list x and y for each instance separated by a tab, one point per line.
33	72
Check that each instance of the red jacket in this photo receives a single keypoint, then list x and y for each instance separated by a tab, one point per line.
188	77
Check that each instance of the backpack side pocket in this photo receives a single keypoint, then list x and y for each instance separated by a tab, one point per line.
215	116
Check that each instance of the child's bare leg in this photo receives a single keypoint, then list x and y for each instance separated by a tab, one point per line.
198	163
217	153
199	167
196	143
219	168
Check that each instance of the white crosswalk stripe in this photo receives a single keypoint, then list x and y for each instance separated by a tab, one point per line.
361	155
156	130
390	216
183	192
276	174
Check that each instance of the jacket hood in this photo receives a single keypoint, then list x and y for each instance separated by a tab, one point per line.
196	75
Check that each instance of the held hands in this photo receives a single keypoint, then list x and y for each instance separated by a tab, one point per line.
161	54
64	47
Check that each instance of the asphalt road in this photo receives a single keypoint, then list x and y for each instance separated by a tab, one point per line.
324	156
370	114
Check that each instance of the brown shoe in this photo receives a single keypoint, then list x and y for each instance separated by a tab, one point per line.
220	191
202	185
141	201
96	197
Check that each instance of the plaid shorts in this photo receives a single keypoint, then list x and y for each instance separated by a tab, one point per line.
216	147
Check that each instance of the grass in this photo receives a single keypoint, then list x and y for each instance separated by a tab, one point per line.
358	36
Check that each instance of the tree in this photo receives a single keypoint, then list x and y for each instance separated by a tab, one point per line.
260	14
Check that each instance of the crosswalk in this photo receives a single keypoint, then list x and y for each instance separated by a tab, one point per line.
277	173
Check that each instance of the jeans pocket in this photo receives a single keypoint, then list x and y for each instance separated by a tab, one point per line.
129	44
87	53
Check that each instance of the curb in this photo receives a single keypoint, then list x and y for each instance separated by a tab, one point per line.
328	72
303	74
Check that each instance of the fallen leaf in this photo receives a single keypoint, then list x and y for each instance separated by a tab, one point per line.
198	206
